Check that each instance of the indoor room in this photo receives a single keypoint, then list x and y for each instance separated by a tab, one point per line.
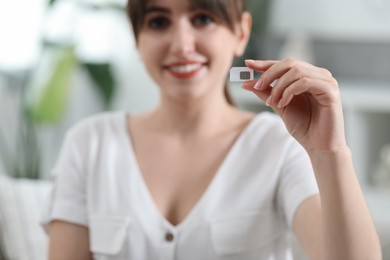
64	61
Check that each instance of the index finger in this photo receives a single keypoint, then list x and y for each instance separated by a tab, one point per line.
260	65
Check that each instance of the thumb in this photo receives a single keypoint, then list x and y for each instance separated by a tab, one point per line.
261	94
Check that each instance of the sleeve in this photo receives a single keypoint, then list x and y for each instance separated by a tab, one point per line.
68	200
297	181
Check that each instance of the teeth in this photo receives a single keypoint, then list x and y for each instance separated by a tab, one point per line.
186	68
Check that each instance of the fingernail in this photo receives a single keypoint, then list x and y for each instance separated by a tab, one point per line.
268	102
281	103
258	84
249	61
273	83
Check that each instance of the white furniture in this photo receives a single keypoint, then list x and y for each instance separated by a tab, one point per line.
22	204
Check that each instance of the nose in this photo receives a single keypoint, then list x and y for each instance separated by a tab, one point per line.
183	39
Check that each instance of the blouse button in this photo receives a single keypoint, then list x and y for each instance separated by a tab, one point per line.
169	237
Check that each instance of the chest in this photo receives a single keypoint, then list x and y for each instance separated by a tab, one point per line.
232	215
176	175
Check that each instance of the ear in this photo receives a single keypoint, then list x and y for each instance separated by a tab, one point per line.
243	33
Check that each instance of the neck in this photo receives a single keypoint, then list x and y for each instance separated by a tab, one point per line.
192	117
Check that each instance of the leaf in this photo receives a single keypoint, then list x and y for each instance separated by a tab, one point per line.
51	2
53	97
102	76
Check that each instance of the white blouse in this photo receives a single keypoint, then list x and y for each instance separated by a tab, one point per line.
245	213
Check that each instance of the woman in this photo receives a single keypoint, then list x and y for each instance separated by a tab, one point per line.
196	178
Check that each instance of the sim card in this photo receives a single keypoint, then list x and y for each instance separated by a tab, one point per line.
240	74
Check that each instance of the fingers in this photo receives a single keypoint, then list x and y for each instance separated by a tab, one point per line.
263	94
260	65
293	78
318	88
309	79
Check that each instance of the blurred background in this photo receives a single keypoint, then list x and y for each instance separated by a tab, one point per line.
64	60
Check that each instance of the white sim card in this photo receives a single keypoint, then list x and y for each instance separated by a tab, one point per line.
241	74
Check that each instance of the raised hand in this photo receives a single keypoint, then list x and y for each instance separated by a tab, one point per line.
306	97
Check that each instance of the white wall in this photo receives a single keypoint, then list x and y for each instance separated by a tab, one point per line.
349	19
20	23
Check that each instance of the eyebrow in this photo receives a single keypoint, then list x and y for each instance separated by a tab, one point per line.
157	9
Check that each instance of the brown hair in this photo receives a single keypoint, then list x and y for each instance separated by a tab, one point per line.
229	11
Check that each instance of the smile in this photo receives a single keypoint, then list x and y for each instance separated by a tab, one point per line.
184	71
186	68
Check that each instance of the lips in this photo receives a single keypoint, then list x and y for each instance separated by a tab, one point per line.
187	68
184	70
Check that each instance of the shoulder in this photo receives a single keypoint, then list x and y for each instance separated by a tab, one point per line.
270	119
95	133
98	124
268	125
96	130
267	133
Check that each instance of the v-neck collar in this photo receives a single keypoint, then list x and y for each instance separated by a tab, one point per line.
149	200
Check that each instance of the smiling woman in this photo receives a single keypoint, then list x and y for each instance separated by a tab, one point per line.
159	21
197	178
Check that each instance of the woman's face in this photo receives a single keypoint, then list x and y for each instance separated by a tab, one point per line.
188	52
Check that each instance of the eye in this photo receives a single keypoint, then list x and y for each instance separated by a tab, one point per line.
158	23
202	20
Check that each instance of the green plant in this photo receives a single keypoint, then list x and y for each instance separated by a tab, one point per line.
23	152
42	100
